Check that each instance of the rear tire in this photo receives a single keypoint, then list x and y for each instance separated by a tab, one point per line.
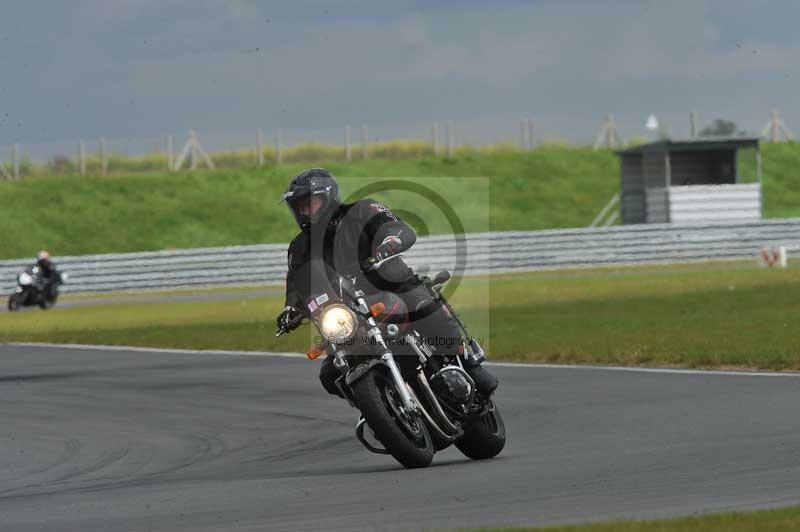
377	398
485	437
13	303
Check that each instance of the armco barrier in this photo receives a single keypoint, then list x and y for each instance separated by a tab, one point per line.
485	253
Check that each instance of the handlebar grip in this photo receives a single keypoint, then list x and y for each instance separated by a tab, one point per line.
292	325
369	264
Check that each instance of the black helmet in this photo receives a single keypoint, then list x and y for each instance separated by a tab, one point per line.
312	183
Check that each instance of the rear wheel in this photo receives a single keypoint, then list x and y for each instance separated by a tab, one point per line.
13	303
405	437
485	437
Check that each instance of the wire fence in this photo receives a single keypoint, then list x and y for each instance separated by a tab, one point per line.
238	149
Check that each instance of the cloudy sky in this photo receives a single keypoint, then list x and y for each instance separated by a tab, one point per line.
141	68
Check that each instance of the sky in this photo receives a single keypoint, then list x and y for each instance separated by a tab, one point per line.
146	68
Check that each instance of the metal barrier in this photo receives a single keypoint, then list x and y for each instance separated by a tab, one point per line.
494	252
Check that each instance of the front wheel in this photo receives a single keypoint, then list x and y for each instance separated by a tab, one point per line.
485	437
406	438
13	303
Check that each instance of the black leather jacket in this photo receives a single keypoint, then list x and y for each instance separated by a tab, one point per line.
342	245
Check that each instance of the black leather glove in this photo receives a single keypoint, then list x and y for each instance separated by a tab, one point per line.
289	319
391	245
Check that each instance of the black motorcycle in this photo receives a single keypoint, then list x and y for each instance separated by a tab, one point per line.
413	400
34	289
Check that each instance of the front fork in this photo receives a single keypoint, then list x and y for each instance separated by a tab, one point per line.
410	406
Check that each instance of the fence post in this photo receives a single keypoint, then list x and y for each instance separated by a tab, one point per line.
523	143
278	142
364	141
692	125
260	147
530	134
103	157
81	157
450	137
170	154
436	139
347	153
15	161
192	150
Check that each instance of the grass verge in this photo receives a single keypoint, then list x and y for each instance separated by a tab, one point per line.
690	316
781	520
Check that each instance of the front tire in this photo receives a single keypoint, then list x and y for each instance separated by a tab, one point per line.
13	303
408	441
485	437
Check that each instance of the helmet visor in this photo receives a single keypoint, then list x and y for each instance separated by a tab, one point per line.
310	208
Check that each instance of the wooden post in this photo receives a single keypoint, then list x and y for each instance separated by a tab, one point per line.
193	155
347	153
522	132
260	147
278	142
436	139
364	141
450	139
530	134
15	161
170	155
103	158
81	157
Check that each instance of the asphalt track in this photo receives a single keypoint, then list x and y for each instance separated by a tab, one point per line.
108	440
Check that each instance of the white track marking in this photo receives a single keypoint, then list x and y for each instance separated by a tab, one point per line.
158	350
670	371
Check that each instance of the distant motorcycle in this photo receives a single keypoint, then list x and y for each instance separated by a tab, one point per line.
33	289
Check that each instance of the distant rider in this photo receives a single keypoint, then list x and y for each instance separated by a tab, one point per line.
49	275
344	236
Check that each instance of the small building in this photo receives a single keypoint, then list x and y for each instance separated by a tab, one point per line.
695	180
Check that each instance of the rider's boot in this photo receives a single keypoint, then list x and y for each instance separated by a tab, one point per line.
485	382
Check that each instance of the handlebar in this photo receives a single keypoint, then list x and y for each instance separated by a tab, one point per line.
369	265
292	324
372	264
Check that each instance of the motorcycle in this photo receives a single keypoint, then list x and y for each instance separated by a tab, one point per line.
32	289
413	400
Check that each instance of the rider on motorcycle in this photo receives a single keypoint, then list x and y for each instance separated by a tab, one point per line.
50	277
343	236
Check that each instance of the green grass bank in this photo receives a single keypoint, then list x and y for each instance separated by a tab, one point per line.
551	187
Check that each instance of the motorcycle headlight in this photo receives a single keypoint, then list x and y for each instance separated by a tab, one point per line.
25	279
337	324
